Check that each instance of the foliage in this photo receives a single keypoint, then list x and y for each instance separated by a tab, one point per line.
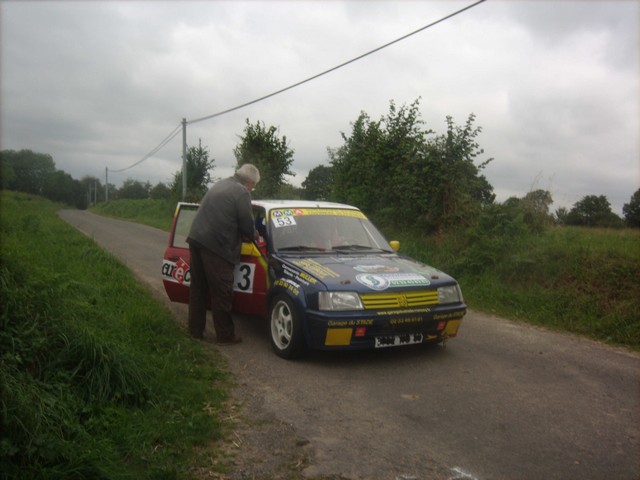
94	191
290	192
318	184
155	213
27	171
631	210
534	209
133	189
459	191
497	233
573	279
160	191
199	170
593	211
561	215
36	173
96	378
394	173
262	147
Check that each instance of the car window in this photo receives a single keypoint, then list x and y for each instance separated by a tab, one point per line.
185	218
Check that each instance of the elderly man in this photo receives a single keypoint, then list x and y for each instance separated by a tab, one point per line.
223	220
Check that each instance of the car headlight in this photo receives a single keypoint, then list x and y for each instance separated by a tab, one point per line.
450	294
339	301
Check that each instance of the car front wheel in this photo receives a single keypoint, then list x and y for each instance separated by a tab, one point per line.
287	339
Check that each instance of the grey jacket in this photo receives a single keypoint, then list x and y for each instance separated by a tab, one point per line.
223	218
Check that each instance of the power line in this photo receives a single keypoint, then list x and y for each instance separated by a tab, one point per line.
166	140
183	124
337	66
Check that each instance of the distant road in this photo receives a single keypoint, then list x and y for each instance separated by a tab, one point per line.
502	401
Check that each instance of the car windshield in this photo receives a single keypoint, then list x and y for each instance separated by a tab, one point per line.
324	230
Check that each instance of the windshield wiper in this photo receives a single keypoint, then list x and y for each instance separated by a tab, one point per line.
298	248
354	247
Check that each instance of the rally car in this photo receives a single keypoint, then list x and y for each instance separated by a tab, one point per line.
326	278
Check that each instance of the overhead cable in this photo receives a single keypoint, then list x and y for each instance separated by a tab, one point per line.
176	130
337	66
166	140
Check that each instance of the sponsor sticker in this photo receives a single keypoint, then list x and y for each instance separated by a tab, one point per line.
382	281
380	268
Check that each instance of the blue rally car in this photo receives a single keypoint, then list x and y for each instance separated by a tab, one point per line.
326	278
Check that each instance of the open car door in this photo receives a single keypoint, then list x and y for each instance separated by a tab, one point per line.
250	276
176	275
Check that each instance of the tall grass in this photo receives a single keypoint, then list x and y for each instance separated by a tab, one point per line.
579	280
96	379
155	213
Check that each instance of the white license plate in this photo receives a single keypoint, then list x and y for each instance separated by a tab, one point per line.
397	340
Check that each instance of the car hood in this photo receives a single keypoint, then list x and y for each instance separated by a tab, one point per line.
372	272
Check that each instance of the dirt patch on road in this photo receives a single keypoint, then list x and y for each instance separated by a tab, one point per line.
257	446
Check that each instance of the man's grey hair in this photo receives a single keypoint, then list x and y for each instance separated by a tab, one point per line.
249	172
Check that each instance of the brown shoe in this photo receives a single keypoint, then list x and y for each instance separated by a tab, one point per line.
231	341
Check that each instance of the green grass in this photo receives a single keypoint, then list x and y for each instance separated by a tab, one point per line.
97	380
579	280
155	213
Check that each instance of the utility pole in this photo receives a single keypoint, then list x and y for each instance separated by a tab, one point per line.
106	184
184	158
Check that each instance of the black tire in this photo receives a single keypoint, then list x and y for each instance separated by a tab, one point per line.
287	339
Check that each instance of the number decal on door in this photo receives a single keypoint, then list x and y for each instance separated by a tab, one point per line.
243	277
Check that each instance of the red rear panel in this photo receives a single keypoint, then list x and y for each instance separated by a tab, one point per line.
250	277
175	265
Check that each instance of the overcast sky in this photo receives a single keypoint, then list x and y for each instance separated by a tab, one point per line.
554	85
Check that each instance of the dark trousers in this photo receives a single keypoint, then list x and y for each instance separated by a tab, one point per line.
212	276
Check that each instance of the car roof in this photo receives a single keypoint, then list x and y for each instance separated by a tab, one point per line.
269	205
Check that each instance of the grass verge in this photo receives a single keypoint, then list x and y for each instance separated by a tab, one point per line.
96	378
578	280
155	213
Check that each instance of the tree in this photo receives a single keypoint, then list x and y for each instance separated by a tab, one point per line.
61	187
290	192
533	209
460	189
631	210
561	215
355	164
26	171
160	191
133	189
262	147
393	172
199	170
593	211
318	184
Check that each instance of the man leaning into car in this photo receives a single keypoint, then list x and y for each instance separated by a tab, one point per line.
223	220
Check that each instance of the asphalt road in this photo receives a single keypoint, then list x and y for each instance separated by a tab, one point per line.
502	401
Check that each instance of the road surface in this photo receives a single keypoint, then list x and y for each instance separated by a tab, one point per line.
502	401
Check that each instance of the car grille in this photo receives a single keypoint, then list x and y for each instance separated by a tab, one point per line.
420	298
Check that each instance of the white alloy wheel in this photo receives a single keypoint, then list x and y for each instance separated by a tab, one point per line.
286	334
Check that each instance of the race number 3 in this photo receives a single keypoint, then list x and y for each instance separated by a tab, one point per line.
243	277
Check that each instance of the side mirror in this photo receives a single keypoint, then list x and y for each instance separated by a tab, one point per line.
395	244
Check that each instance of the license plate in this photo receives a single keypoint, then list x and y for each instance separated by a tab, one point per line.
397	340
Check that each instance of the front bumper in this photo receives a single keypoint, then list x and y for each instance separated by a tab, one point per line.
371	329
